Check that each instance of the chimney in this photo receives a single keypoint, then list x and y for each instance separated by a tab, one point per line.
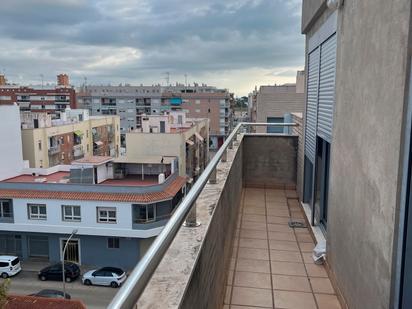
63	80
2	80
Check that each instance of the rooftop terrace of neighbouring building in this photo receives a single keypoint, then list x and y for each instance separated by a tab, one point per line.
243	254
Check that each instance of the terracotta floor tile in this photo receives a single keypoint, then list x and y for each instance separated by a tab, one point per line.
254	211
291	193
235	241
283	245
226	307
294	300
230	277
234	251
277	212
279	228
276	199
304	237
291	283
259	226
253	243
290	236
252	280
297	216
285	256
252	297
307	257
227	294
306	247
253	218
243	307
253	234
294	203
321	285
288	268
254	254
277	205
257	266
314	270
232	264
277	220
327	301
301	230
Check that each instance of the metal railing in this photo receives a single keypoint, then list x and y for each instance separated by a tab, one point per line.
133	288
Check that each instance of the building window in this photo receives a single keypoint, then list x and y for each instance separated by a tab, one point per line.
144	213
37	211
197	110
113	242
71	213
6	209
39	143
106	215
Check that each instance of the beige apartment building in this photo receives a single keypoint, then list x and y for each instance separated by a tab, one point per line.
271	103
48	142
172	135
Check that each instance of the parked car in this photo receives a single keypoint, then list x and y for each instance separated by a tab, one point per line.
54	272
51	294
110	276
9	266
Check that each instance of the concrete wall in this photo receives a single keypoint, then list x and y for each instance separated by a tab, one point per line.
11	163
270	160
372	64
311	9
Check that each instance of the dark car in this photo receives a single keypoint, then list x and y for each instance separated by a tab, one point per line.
51	294
54	272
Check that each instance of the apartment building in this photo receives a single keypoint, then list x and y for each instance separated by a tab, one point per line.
357	168
132	102
51	99
117	207
48	142
172	134
271	103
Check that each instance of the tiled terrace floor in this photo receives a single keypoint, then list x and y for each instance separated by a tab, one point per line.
272	264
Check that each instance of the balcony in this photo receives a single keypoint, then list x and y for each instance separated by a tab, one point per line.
54	150
78	152
243	253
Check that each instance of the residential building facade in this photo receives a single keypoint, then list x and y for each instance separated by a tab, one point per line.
356	186
46	98
48	142
172	134
271	103
117	207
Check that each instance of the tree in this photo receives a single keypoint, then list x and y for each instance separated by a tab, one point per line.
4	287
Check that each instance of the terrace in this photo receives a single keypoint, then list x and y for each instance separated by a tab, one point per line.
236	249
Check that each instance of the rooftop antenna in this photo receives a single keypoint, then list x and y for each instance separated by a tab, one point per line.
85	83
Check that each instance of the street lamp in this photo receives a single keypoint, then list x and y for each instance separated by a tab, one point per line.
64	252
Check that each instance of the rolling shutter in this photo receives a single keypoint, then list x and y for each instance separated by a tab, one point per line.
312	102
326	88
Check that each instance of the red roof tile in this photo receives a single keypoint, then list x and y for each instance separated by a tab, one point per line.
168	193
33	302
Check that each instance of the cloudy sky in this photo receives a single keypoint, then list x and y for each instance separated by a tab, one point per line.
233	44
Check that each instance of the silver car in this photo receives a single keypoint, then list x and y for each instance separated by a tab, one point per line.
109	276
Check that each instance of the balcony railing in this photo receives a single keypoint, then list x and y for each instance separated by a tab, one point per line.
133	288
54	149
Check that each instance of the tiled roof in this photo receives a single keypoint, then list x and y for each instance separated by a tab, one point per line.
94	159
33	302
168	193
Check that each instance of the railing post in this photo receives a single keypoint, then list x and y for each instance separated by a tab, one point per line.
213	176
224	156
230	144
191	220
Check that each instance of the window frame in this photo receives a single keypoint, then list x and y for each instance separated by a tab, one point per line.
147	219
38	216
2	216
113	243
72	217
106	219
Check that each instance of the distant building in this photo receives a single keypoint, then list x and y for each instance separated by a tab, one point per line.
271	103
48	142
48	99
118	206
132	102
171	134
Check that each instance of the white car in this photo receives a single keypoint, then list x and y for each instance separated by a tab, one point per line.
9	266
109	276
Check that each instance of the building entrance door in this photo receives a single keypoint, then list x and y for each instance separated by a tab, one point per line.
72	253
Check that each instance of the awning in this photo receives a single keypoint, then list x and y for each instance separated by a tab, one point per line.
98	143
199	137
189	142
78	133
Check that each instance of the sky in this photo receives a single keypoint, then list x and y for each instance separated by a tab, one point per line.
234	44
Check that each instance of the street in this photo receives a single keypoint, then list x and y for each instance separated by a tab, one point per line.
93	297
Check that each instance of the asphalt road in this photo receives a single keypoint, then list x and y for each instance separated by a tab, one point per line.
93	297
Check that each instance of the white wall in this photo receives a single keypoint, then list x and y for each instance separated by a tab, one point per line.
11	163
88	224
